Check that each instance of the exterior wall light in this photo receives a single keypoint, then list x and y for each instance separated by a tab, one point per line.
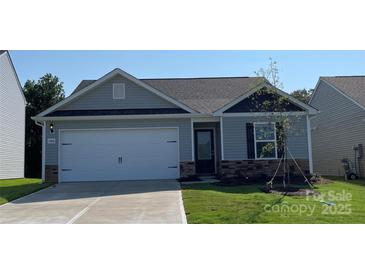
51	128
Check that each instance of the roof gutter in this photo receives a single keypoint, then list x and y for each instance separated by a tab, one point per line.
39	119
118	117
38	123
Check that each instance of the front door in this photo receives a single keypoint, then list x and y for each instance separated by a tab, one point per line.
204	151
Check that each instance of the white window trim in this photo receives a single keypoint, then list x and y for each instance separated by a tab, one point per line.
265	141
114	86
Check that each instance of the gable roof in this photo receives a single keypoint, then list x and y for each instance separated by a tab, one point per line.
352	86
204	95
15	73
108	76
195	95
207	95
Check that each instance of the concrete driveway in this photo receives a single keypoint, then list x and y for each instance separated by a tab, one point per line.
132	202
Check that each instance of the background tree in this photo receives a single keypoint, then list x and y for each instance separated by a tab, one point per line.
40	95
303	95
285	125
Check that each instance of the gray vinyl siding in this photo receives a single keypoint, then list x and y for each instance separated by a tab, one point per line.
235	140
12	122
101	97
338	127
184	126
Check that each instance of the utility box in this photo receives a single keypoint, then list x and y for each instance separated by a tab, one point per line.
361	151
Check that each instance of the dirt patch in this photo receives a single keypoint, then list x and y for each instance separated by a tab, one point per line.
317	179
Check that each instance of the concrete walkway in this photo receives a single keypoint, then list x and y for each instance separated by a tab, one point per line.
130	202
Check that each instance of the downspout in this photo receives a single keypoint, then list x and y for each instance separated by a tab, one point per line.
309	136
43	148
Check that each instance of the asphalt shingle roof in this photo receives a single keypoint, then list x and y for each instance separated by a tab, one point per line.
83	84
204	95
352	86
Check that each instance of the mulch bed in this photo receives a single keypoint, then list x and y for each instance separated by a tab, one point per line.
291	191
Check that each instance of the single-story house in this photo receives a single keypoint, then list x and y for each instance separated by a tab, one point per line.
123	128
338	131
12	120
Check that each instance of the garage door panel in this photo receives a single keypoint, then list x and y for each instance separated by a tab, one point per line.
93	155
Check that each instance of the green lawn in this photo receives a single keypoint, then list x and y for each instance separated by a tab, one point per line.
207	203
14	188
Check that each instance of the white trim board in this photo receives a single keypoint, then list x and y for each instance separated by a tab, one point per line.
195	116
264	114
263	141
203	119
118	117
192	140
222	144
237	100
108	76
295	101
314	92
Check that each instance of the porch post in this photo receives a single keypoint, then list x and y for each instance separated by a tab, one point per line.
222	146
192	140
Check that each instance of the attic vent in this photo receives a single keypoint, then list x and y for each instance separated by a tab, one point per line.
118	91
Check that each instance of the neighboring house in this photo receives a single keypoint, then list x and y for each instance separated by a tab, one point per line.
123	128
340	125
12	120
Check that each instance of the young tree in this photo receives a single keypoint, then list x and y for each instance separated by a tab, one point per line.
303	95
40	95
268	100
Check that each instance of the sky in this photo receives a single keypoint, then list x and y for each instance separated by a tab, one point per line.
297	69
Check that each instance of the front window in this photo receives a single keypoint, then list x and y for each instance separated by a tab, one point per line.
265	141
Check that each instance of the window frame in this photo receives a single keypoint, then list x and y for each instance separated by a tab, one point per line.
265	141
115	97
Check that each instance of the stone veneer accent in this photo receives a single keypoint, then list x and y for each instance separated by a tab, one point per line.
187	168
51	174
249	168
253	168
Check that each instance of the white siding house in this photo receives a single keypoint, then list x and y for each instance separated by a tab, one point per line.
12	121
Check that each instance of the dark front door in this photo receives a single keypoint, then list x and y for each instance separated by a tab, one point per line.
204	151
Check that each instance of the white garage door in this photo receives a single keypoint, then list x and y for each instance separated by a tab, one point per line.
123	154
